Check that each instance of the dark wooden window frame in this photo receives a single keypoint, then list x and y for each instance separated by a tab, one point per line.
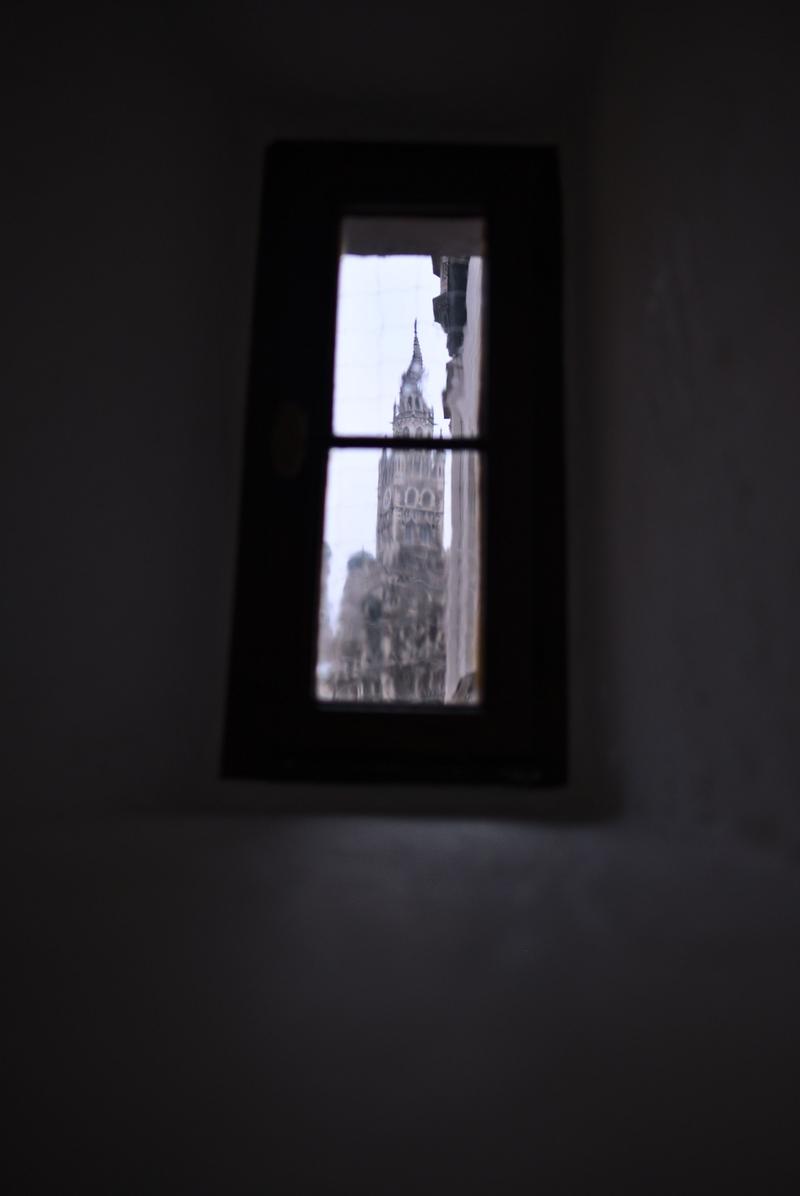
275	728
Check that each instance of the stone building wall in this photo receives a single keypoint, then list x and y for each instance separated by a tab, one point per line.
461	401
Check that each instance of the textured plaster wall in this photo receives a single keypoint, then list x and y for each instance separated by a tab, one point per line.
124	335
696	307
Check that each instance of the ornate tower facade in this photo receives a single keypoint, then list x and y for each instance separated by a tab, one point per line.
391	626
410	482
409	548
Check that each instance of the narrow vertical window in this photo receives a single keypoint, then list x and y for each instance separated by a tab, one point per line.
400	595
401	559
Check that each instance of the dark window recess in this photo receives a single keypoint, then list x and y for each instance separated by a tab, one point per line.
400	593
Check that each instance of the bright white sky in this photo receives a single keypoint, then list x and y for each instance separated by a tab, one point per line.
379	298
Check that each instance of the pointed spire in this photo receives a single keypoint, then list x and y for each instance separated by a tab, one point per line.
415	368
412	401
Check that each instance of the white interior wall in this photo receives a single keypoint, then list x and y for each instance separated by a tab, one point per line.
695	303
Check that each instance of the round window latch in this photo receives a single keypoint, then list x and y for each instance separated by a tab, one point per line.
288	442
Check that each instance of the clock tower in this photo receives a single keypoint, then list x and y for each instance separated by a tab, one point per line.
411	481
410	551
391	636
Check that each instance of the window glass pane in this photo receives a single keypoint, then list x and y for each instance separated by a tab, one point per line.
401	577
409	328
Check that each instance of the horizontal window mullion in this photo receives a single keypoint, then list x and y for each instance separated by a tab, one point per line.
460	443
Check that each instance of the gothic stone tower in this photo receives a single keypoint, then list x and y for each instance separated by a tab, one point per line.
391	631
410	551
